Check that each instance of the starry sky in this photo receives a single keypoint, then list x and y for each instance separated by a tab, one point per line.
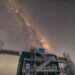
53	18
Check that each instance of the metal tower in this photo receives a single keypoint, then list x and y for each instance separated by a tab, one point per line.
37	62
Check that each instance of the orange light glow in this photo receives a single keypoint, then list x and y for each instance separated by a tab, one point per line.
45	43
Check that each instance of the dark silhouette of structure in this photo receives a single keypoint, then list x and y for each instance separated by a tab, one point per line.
37	62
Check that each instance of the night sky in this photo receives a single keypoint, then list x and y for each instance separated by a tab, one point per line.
55	19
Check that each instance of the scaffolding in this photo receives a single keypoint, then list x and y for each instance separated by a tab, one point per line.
37	62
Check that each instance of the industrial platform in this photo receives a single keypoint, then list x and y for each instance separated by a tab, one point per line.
37	62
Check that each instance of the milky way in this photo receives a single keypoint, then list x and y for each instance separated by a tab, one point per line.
53	18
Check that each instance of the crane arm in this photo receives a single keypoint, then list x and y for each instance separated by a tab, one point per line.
9	52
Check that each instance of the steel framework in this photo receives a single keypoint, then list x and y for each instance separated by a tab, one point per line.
37	62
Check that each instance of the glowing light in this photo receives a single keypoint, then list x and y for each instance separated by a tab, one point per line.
44	42
16	11
28	24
